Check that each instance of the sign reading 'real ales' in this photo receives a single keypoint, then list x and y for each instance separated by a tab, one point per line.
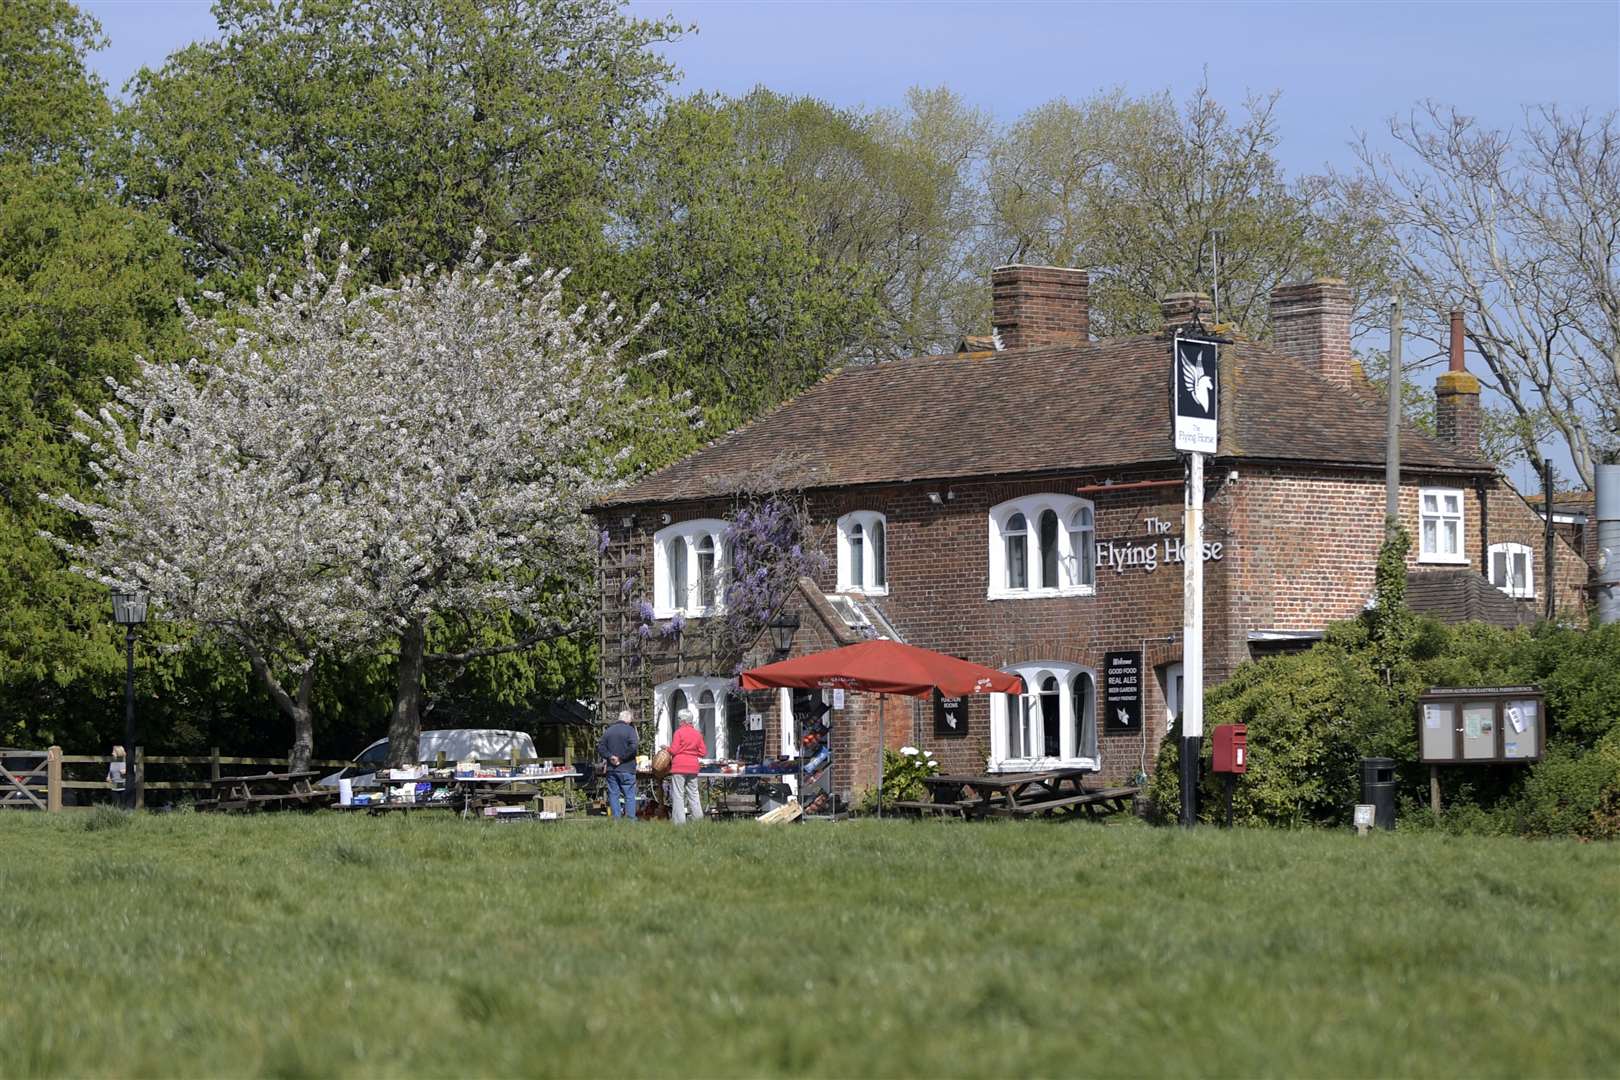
1194	393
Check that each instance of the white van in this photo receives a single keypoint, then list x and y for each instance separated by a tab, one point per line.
485	744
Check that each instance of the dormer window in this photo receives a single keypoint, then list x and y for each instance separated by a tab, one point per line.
1513	570
863	556
1043	545
688	568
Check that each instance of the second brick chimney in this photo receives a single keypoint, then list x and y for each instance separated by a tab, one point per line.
1040	305
1456	397
1311	322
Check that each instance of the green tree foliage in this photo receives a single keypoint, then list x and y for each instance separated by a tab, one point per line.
1140	191
52	108
408	124
751	311
893	193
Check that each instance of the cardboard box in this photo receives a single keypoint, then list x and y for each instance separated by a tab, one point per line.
553	804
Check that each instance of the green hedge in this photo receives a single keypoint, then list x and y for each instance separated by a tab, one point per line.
1312	716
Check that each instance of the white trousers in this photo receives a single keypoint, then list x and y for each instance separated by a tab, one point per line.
684	799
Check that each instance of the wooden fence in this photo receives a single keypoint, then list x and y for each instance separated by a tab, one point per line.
40	787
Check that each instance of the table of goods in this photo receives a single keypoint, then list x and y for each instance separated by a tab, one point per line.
495	792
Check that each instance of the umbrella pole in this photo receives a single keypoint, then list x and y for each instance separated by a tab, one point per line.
883	703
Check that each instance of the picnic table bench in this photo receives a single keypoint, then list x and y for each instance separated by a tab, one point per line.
266	791
1017	795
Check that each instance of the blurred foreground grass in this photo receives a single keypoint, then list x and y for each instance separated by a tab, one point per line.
314	945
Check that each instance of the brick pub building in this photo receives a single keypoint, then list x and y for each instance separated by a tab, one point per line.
1020	506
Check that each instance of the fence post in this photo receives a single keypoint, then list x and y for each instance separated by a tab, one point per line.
53	780
139	779
213	766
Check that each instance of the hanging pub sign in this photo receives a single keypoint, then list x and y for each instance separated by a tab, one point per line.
1194	389
950	716
1122	692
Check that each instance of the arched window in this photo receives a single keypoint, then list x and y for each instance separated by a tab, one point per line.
1042	545
713	702
707	593
1049	549
1083	547
705	720
863	562
880	557
678	585
687	560
1053	724
1016	535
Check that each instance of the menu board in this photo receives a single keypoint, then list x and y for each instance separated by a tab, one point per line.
1122	686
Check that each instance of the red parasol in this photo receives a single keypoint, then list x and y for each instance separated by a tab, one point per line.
883	667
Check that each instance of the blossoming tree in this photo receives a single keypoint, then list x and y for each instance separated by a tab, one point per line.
345	469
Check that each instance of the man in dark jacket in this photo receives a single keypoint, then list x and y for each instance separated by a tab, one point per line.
618	747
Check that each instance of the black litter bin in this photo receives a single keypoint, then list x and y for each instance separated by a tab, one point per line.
1378	788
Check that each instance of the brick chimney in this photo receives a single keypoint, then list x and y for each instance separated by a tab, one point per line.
1456	397
1177	309
1040	305
1311	322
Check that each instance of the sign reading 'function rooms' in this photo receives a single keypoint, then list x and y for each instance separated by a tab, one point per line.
1195	393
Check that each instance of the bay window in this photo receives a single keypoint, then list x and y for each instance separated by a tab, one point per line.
1053	724
1042	545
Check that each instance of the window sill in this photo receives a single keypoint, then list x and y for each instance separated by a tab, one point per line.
1517	594
1443	560
856	590
694	613
1014	765
1042	594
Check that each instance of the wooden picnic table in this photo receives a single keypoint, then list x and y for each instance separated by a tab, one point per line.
266	791
1017	794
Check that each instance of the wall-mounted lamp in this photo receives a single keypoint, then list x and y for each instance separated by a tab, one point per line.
782	628
628	521
663	518
939	499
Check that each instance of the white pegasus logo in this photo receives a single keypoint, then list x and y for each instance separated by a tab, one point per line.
1125	716
1198	384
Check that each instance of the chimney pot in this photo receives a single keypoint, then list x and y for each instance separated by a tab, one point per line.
1457	363
1311	322
1040	305
1456	397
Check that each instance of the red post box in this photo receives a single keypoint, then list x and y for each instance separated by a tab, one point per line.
1231	748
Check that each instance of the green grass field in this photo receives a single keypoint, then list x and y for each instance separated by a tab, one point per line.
295	946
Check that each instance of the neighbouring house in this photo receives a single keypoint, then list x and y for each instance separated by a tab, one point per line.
1018	504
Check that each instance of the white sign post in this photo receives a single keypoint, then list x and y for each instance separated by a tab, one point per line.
1195	410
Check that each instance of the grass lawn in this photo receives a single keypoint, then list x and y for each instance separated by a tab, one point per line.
311	945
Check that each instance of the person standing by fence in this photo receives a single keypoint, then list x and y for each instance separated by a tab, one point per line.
617	748
115	769
686	748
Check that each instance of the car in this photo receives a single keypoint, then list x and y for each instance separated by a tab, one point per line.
485	744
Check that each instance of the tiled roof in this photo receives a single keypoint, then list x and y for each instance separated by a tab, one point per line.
1102	404
1464	595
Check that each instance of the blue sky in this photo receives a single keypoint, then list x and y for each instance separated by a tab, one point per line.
1340	67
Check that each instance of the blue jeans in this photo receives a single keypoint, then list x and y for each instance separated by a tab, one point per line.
621	788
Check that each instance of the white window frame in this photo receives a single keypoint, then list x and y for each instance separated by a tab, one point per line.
1440	516
1069	757
868	584
694	687
1525	590
688	533
1070	573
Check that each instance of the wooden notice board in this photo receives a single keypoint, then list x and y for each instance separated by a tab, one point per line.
1459	725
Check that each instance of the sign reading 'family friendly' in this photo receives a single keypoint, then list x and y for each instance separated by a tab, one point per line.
1122	687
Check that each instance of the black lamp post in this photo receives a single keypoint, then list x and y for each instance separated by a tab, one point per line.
129	611
782	628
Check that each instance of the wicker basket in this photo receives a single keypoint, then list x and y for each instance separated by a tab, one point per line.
662	762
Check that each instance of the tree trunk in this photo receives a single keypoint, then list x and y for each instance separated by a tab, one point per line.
296	709
406	724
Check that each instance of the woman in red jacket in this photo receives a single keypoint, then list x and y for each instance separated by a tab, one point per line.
685	749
